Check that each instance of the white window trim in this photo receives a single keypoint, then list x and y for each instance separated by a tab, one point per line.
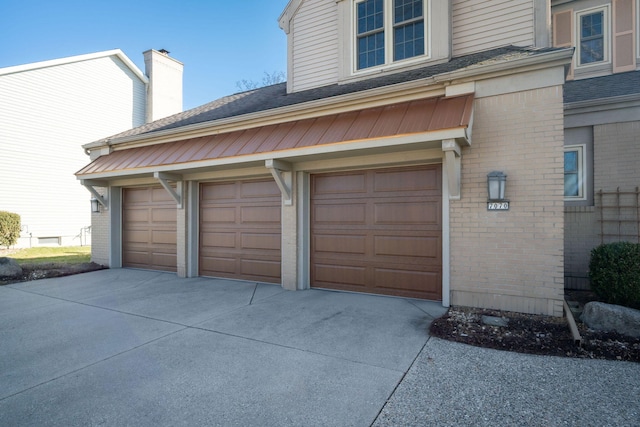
582	172
389	63
637	30
606	19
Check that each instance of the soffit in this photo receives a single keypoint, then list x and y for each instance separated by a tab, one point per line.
402	119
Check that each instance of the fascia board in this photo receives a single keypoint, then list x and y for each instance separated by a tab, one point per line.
501	68
72	59
600	103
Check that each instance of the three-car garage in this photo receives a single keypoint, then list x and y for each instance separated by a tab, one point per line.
374	231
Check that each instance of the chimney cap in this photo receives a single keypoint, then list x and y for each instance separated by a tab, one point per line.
164	51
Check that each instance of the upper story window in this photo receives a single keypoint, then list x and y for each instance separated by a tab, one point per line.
593	37
388	31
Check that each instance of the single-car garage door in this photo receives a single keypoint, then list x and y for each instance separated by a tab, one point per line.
148	229
378	231
240	230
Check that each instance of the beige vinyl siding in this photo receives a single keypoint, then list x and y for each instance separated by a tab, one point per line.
480	25
315	45
46	115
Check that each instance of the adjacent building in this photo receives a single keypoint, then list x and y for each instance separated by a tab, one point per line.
602	127
372	168
47	109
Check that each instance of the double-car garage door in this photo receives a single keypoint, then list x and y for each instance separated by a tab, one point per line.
377	231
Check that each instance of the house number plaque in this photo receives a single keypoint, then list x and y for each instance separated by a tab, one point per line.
497	206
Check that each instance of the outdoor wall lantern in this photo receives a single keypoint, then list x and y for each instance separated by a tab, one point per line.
496	184
95	205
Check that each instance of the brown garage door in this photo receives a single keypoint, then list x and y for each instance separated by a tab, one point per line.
148	229
240	230
378	231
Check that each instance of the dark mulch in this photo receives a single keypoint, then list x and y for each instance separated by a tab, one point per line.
533	334
47	270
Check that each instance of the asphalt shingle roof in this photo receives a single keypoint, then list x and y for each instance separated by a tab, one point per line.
602	87
276	96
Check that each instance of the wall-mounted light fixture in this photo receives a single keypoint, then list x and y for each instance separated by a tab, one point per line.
95	205
496	186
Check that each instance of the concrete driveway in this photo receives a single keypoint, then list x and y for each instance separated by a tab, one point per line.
128	347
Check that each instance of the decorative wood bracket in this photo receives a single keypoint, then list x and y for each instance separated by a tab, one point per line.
89	185
176	193
452	161
281	172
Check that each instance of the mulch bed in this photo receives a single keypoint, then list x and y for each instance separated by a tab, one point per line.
47	270
533	334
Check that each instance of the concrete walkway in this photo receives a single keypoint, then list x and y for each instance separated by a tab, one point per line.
128	347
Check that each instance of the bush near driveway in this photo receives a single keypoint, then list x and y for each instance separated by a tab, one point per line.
614	270
9	228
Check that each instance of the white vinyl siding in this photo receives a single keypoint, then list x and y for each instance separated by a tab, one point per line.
315	45
46	115
481	25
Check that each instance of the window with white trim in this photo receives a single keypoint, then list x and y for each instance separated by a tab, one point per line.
593	36
387	31
574	172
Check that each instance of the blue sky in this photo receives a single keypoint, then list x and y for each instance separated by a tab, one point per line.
219	42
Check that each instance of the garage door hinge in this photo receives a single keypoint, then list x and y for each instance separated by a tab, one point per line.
283	176
177	192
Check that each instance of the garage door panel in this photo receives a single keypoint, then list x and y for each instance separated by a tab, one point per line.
220	191
240	234
134	236
161	195
260	214
260	268
328	274
261	241
406	213
149	229
407	247
403	181
166	237
346	183
408	283
333	243
385	239
219	215
218	265
352	213
251	189
218	240
132	216
167	215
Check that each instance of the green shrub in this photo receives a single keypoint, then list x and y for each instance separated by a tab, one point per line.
9	228
614	270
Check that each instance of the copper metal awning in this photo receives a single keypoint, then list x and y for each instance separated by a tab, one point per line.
408	118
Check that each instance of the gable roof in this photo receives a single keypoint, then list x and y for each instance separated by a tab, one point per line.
614	85
79	58
276	96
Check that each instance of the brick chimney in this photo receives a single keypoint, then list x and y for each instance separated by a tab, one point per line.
164	93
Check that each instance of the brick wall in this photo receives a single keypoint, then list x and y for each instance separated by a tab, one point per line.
100	231
512	260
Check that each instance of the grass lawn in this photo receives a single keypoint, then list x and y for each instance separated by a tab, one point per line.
57	255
